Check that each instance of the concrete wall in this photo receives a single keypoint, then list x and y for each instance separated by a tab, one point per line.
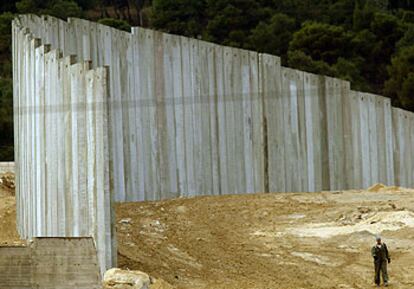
50	263
6	167
62	158
185	117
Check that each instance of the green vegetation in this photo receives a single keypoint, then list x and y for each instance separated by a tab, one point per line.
369	42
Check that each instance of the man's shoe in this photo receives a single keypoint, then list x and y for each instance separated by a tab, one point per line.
386	284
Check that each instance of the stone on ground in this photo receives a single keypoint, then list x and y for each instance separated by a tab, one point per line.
120	279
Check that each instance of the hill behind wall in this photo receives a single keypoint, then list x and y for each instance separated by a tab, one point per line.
186	117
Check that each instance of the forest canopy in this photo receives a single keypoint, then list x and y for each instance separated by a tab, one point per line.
368	42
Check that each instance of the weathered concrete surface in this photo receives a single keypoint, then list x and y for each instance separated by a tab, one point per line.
62	150
50	263
6	167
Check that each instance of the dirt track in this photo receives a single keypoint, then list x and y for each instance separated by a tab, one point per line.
266	241
306	240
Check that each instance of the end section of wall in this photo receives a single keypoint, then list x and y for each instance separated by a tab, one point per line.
51	263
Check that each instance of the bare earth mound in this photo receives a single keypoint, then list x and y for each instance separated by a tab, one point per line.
296	240
263	241
8	233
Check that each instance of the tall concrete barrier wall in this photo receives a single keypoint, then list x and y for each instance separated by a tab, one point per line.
62	159
50	263
185	117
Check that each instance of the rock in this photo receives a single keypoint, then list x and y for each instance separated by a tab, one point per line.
7	180
376	188
120	279
125	221
181	209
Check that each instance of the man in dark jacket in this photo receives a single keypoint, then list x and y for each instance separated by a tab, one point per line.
381	257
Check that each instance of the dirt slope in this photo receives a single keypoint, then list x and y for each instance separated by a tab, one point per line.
266	241
296	240
8	233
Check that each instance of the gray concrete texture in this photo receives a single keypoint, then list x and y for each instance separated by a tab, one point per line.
186	117
50	263
61	118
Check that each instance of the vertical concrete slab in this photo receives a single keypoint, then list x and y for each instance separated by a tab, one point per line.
303	153
237	107
257	126
290	100
178	112
381	140
356	139
169	145
347	107
194	46
134	175
124	50
204	108
116	114
365	143
136	118
68	146
373	150
145	102
221	120
334	104
389	161
229	119
247	123
212	100
188	115
314	126
274	149
61	108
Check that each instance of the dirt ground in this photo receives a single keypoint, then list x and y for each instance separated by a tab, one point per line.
266	241
8	233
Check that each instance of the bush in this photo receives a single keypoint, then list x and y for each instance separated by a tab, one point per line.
116	23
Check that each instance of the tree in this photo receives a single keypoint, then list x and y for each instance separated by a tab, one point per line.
299	60
322	42
340	11
400	85
64	9
58	8
274	36
183	17
116	23
350	70
230	21
388	31
407	39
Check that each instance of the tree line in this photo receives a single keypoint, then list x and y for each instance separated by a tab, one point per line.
368	42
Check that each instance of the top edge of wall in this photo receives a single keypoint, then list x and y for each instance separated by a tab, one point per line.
370	94
48	51
136	30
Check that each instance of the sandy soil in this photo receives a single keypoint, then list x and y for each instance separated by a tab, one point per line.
295	240
266	241
8	233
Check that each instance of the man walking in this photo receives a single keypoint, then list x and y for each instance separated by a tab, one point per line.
381	257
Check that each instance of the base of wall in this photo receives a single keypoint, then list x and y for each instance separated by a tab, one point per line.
57	263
